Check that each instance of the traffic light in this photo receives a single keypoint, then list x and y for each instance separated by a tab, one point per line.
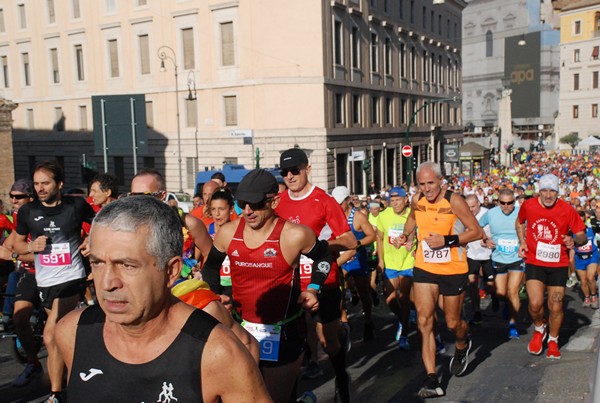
366	165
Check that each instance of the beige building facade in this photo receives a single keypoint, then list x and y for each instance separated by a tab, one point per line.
342	79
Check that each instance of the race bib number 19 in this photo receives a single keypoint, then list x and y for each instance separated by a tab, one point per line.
59	255
268	337
435	255
546	252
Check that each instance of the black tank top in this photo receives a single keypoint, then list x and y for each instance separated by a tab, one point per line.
174	376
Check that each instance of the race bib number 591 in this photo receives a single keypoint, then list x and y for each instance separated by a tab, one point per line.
59	255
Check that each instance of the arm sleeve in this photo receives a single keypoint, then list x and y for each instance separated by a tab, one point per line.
22	227
211	269
321	262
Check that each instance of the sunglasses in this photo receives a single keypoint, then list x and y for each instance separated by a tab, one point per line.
18	197
295	171
153	194
508	203
254	206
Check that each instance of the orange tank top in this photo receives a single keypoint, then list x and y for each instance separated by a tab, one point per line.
439	218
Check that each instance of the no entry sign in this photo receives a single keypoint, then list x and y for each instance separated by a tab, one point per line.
407	150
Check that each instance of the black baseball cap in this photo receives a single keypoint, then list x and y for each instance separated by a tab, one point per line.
256	186
294	157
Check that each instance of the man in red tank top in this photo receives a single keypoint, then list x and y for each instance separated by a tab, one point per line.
264	252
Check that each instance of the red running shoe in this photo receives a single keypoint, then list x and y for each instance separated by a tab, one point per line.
553	352
537	342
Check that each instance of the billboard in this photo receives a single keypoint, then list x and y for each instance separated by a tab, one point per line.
522	68
122	115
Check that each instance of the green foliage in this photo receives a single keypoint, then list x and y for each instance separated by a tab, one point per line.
572	139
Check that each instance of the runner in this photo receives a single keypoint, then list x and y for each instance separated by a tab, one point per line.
508	266
543	226
104	189
445	225
396	262
54	225
585	260
140	337
264	251
307	204
356	268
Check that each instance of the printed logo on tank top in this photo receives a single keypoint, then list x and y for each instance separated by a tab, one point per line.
167	393
52	228
544	230
270	252
295	220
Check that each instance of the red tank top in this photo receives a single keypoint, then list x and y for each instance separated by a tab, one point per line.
265	287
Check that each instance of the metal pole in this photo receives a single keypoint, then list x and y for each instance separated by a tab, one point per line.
104	148
133	136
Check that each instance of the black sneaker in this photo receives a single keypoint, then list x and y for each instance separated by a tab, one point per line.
459	362
476	319
431	388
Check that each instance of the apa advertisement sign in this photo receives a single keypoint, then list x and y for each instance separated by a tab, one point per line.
522	68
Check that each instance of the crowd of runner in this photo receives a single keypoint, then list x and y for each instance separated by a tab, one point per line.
279	259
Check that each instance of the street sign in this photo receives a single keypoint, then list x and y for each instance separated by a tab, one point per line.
407	150
357	156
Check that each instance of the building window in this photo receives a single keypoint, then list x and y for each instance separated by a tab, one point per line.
59	120
432	68
595	52
30	119
149	115
594	110
388	56
83	118
149	162
576	55
26	69
594	79
119	170
5	71
413	63
374	53
440	25
110	6
76	9
575	111
51	13
424	18
79	62
356	109
339	109
191	169
412	11
425	66
403	111
577	27
388	111
227	44
22	16
337	43
142	2
191	113
231	118
576	81
144	45
432	21
375	110
386	6
2	27
355	48
401	9
440	70
402	54
189	59
489	44
54	64
113	55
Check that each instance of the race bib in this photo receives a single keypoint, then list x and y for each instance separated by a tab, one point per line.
268	336
508	246
546	252
393	234
435	255
305	267
226	268
585	248
59	255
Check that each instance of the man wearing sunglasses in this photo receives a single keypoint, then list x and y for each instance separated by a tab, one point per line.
508	266
543	226
307	204
264	252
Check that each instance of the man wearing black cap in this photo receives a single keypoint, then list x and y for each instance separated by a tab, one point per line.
264	252
307	204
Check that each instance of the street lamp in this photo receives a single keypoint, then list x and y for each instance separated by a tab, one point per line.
409	164
162	55
191	82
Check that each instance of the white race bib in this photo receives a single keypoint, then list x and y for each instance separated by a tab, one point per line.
546	252
59	255
508	246
435	255
268	336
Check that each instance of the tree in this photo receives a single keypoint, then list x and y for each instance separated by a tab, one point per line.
571	139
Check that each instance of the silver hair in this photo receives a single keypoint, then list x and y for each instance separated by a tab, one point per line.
472	197
130	214
434	166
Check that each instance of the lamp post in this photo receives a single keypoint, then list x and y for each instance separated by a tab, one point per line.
162	55
191	82
409	164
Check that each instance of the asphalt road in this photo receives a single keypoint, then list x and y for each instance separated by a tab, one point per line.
500	370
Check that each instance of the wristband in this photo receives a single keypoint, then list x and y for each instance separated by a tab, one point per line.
451	240
313	286
358	245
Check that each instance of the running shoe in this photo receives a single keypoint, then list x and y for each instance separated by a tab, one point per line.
403	343
399	331
523	292
313	371
476	319
513	334
346	342
572	281
55	398
440	347
537	342
31	371
368	331
553	352
431	388
594	302
460	361
586	302
412	317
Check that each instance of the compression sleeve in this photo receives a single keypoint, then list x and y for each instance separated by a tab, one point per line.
321	262
212	268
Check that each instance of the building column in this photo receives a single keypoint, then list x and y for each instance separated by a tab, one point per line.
7	165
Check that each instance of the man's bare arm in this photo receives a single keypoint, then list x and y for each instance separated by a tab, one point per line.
344	242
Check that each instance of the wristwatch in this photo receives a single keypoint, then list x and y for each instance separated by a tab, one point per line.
14	255
358	245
